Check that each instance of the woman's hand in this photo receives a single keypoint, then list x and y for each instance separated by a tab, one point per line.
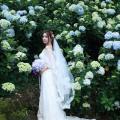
44	69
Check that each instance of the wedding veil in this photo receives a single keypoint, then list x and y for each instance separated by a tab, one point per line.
65	78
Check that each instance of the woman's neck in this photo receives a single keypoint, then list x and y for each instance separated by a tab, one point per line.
48	46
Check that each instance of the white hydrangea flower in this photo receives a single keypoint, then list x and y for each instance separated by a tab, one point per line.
109	26
21	12
101	56
96	17
20	55
71	65
4	23
77	49
108	35
111	21
89	75
82	28
77	79
118	65
101	71
77	86
24	67
108	44
5	45
8	86
31	12
117	104
59	1
101	24
109	56
116	35
77	32
77	9
86	105
116	45
10	32
117	27
86	82
103	4
111	11
33	23
75	24
95	64
28	34
58	36
23	19
79	65
4	7
40	8
108	1
118	16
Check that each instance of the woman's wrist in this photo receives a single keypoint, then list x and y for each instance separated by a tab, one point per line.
44	69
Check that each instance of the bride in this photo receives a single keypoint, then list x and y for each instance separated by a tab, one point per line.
55	82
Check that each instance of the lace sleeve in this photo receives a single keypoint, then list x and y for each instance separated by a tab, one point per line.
51	58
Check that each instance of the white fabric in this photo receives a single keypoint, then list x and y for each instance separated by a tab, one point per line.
50	107
65	78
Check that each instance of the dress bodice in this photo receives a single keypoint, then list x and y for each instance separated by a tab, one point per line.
47	55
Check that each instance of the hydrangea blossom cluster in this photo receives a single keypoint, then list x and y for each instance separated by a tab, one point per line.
115	45
4	7
77	86
20	15
101	71
107	56
71	65
10	32
86	105
77	32
110	11
95	64
5	45
117	27
77	49
37	65
118	65
88	77
112	35
117	104
82	28
4	23
20	55
77	9
10	87
79	65
32	9
24	67
59	1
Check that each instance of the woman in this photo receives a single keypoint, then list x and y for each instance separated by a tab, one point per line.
56	81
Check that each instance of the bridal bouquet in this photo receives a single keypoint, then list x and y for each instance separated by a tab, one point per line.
37	65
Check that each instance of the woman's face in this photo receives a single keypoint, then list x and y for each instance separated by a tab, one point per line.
45	38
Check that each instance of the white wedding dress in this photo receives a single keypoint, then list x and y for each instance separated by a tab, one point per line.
49	105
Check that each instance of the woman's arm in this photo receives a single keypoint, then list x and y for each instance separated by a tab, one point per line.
44	69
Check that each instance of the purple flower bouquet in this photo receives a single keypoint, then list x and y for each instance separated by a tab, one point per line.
37	65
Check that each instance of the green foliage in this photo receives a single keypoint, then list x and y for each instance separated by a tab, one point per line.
81	36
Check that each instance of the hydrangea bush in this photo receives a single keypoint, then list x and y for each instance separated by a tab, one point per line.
88	32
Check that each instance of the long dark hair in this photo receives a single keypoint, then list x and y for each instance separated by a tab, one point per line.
49	34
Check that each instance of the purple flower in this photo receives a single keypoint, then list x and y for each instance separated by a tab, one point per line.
37	65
